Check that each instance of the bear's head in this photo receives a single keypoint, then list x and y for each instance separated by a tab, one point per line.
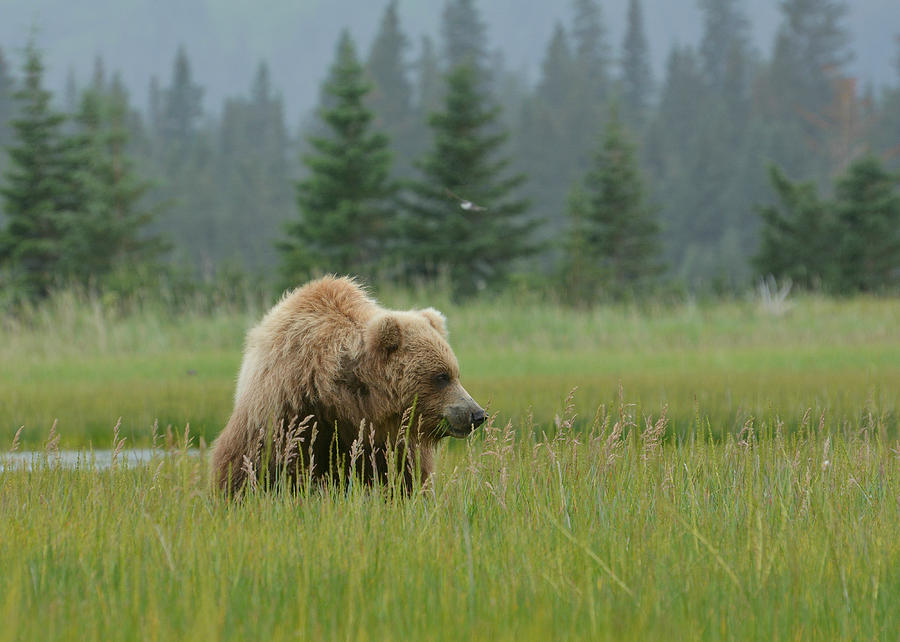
410	351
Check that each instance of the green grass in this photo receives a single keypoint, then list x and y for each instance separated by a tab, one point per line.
587	535
765	508
714	366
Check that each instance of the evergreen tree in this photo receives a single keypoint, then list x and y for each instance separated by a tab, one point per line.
723	48
591	49
848	244
391	97
811	49
867	209
886	132
428	73
464	33
548	136
637	75
181	108
7	112
463	220
190	186
39	192
345	202
614	224
797	236
256	191
590	79
155	107
109	230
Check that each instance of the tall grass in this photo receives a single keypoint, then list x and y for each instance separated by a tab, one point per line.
86	362
607	532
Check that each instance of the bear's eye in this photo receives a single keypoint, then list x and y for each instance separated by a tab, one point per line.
442	379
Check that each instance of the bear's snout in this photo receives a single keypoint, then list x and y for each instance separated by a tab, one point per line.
464	416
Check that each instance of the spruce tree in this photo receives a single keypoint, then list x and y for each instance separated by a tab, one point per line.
723	47
548	136
256	190
797	236
190	185
110	228
637	75
464	34
614	222
810	53
345	203
391	96
428	80
555	84
39	193
867	211
848	244
7	105
591	49
7	111
464	220
181	109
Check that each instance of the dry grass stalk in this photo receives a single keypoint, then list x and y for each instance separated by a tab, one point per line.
745	436
565	423
15	441
118	444
250	471
652	436
53	440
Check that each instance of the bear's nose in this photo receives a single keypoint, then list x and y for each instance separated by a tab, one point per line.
478	418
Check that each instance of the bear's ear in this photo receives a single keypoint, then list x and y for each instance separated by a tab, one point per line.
384	334
437	320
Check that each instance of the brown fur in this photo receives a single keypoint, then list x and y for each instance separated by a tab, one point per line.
328	351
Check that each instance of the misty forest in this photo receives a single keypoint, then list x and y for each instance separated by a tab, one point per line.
431	159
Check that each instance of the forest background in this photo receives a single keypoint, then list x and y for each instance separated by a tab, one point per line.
747	150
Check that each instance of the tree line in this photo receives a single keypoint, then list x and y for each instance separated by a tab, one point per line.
596	182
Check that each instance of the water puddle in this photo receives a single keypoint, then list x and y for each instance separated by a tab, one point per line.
85	459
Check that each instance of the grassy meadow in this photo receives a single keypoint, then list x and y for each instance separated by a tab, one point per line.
720	472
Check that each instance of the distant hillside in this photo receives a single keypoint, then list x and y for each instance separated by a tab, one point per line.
227	38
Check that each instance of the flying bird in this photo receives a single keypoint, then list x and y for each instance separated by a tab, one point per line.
464	203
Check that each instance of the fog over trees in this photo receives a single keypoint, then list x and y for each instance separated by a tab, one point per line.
611	147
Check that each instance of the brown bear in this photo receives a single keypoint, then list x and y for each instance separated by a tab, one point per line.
327	365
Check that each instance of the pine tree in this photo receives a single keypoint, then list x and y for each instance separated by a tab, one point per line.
848	244
464	34
615	223
885	137
723	48
110	228
548	135
637	75
252	159
428	74
811	50
867	209
7	112
391	97
345	202
181	108
463	220
557	69
591	49
39	193
190	186
797	236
